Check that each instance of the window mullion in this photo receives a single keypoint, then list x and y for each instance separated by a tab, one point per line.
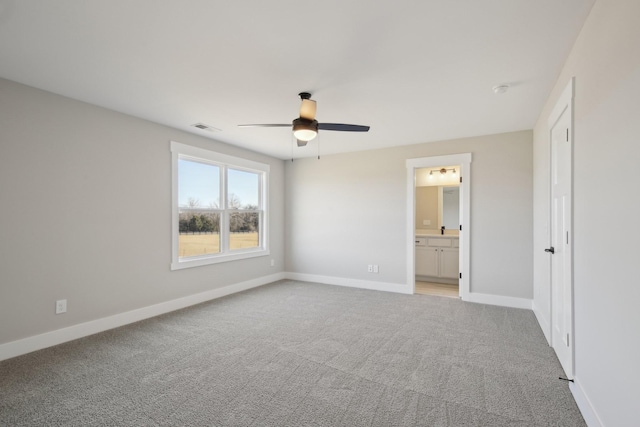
224	227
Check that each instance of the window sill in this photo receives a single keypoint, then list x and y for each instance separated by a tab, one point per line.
219	258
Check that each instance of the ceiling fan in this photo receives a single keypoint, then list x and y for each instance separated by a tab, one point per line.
306	127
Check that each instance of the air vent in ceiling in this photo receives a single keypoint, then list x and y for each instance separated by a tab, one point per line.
205	127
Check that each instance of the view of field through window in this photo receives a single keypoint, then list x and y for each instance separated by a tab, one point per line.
205	219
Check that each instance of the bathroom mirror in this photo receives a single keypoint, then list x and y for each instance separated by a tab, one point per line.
450	207
436	206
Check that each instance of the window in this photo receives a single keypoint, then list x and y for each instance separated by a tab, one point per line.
219	207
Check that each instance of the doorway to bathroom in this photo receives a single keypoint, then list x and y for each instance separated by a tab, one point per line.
437	230
438	241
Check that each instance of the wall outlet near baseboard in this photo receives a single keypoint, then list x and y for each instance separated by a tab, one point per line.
273	263
370	268
61	306
375	268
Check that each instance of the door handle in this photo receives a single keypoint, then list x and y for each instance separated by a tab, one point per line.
551	250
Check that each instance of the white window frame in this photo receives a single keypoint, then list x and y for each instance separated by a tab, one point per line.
188	152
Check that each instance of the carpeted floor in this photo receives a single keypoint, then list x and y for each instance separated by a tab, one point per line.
299	354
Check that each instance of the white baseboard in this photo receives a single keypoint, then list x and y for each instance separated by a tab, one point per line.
498	300
584	404
543	322
401	288
59	336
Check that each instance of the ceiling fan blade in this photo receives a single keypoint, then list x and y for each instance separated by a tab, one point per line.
343	127
301	143
272	125
308	109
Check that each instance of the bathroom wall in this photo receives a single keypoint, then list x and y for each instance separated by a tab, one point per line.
427	208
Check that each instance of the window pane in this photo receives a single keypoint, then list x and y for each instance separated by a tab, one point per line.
198	185
199	233
243	189
198	191
244	228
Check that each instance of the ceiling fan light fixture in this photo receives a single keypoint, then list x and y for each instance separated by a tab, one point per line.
305	130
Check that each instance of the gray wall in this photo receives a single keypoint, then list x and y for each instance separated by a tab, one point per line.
605	61
85	196
349	210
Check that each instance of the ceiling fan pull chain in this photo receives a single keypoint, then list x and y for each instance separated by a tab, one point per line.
318	147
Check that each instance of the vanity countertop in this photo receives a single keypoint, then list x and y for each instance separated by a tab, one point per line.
436	233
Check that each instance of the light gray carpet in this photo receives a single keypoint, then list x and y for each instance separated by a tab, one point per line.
299	354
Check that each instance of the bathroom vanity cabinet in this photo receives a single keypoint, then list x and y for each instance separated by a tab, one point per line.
437	256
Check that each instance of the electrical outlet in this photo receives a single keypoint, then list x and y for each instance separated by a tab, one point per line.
375	268
273	263
426	222
370	268
61	306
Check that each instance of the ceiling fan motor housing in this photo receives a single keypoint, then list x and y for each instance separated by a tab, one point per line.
302	123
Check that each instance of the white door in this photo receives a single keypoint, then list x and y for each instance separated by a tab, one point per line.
561	242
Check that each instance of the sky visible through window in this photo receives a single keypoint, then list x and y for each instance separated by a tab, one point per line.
244	185
201	181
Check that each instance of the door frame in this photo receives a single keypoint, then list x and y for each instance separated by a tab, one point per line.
564	104
464	160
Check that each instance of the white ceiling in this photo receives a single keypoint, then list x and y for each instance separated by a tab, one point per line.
415	71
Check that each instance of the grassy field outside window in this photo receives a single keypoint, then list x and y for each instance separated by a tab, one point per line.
209	243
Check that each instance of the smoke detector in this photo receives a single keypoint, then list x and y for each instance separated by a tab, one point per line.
500	89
